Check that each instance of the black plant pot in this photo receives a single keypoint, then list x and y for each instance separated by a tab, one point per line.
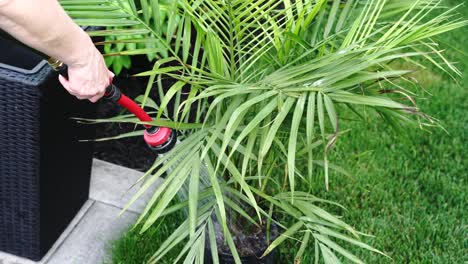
225	258
256	243
44	168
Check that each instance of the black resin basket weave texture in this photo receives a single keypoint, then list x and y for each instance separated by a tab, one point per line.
19	162
44	169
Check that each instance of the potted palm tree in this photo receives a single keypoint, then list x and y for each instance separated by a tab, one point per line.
259	88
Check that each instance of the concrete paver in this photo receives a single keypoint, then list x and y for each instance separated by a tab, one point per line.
112	184
88	243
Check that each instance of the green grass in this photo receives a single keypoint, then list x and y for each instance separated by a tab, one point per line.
408	188
133	248
409	193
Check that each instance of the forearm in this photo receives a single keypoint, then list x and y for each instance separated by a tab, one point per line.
44	26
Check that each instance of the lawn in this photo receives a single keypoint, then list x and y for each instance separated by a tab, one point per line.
406	188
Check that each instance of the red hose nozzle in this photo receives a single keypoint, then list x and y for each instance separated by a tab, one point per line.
160	139
157	136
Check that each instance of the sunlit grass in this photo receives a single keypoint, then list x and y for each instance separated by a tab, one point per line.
408	188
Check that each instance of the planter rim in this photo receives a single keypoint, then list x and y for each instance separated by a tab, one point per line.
34	70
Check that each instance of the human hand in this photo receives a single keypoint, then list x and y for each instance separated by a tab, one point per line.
88	76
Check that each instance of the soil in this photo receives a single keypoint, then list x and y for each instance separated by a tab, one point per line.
250	240
128	152
131	152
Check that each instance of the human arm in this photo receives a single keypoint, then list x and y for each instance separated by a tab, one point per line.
44	26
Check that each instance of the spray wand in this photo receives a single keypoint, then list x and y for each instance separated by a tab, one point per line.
159	139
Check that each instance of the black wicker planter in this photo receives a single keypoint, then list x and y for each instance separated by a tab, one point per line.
44	169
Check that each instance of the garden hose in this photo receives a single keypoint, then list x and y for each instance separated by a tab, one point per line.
159	139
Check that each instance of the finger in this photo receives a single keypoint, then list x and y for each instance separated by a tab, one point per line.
81	97
95	98
65	83
111	76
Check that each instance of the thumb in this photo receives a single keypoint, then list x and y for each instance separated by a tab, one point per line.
65	83
111	76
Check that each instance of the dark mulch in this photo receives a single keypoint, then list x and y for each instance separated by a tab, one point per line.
129	152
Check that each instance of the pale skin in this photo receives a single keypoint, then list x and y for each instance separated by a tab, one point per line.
44	26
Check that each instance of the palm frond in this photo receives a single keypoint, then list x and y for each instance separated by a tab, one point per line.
267	82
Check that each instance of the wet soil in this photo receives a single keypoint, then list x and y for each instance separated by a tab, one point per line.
129	152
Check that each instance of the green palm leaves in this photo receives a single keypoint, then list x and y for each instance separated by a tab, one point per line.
259	90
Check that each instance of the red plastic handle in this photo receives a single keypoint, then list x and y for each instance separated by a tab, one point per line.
135	109
153	136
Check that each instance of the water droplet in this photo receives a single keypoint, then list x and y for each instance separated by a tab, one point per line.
317	83
342	51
